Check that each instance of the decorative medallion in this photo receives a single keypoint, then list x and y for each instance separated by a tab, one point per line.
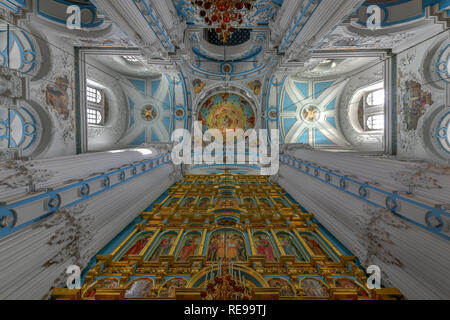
180	113
310	113
273	114
149	113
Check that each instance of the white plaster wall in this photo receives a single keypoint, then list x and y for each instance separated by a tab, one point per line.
35	259
411	259
419	65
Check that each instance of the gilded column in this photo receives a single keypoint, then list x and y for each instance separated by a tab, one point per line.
202	243
252	244
176	242
304	244
280	247
331	245
119	247
147	246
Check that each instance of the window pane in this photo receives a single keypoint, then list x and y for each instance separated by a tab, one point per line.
133	59
94	116
376	98
93	95
375	122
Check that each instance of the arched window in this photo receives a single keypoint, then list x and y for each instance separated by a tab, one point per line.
95	107
131	59
375	98
375	122
371	110
93	95
94	117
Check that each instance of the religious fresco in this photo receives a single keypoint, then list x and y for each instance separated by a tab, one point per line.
106	283
285	287
203	203
141	288
265	203
198	85
168	290
264	246
227	244
349	283
139	244
314	288
227	202
186	203
289	246
57	96
250	202
415	101
236	239
189	246
226	222
226	111
283	203
172	202
315	246
165	244
255	86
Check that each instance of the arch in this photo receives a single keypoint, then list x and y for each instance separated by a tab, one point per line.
314	287
104	283
343	282
248	274
140	288
169	287
286	288
354	106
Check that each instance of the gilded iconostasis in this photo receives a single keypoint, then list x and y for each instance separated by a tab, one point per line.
225	237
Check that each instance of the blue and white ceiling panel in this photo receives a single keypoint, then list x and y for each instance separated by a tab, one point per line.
308	112
153	113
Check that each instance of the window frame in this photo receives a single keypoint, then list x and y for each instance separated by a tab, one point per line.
98	105
372	111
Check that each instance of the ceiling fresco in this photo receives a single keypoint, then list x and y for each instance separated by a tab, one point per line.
226	111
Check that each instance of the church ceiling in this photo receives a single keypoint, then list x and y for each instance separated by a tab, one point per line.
308	112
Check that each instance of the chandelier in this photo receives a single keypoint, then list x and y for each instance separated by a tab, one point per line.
224	16
227	284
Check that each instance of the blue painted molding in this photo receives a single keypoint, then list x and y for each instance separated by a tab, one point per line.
51	199
392	199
